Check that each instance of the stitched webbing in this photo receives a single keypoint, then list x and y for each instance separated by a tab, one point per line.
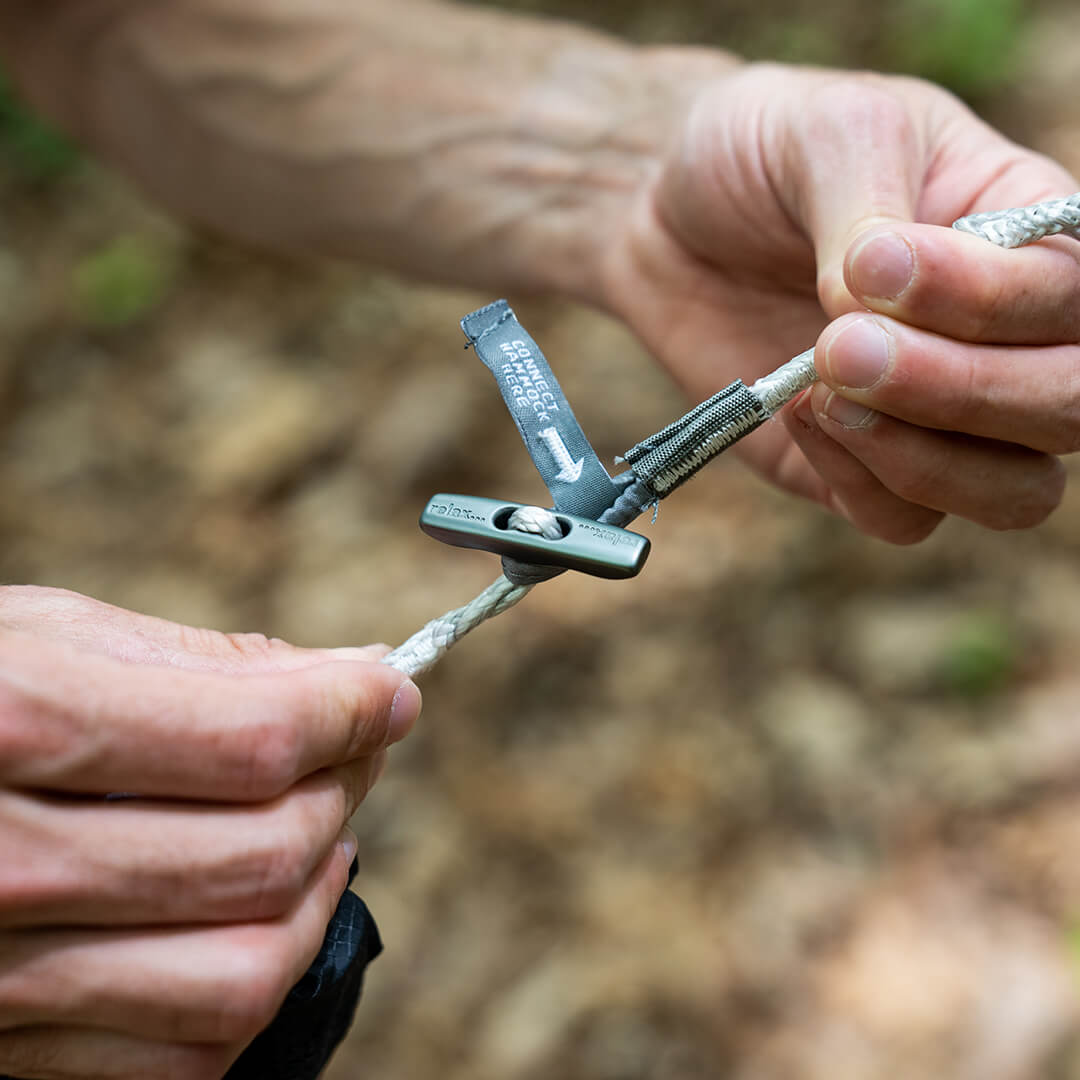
667	459
671	456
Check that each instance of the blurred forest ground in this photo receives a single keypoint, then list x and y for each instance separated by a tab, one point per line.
793	805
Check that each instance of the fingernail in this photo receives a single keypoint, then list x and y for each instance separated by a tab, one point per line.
404	710
846	413
883	266
859	355
349	844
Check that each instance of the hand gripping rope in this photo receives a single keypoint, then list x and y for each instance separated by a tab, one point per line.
586	530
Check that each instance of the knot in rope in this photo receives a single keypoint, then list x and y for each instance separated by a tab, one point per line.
423	650
532	519
663	461
535	519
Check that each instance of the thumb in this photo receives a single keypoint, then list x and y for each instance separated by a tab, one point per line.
858	161
93	626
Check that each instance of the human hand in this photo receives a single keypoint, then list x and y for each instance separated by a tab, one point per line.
785	210
156	936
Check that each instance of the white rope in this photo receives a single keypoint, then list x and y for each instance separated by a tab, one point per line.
1010	228
1022	225
431	643
780	386
1005	228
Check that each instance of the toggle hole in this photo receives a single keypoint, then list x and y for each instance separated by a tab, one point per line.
532	520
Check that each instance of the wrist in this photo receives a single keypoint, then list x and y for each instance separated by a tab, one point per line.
615	133
510	157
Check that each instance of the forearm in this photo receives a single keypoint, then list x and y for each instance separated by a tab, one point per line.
455	142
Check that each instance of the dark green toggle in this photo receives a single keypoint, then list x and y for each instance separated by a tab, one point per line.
474	522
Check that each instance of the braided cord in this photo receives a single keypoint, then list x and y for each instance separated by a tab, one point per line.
1010	228
433	641
1022	225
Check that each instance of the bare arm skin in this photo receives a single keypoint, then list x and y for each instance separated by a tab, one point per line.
157	936
720	209
730	214
447	141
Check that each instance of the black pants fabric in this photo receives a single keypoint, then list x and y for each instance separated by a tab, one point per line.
320	1007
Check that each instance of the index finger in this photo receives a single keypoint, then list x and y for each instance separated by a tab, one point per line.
88	724
964	287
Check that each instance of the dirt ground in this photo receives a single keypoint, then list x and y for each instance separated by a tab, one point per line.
793	805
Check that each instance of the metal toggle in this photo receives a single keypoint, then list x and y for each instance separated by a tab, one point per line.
586	545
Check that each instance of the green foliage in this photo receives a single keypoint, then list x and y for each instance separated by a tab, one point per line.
967	45
35	150
980	655
795	40
122	281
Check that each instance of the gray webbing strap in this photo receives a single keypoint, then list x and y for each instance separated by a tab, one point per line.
667	459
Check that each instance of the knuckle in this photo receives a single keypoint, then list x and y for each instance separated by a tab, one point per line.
201	640
992	308
920	480
856	104
257	984
1035	503
903	524
204	1063
25	737
1064	439
13	731
362	780
28	989
27	884
250	644
1064	436
173	1061
833	293
912	531
369	705
189	1063
279	876
270	750
353	781
302	828
239	648
255	646
13	895
204	641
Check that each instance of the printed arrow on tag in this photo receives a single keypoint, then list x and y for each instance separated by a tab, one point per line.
578	482
569	469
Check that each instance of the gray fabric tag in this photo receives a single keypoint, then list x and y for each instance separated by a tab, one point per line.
566	461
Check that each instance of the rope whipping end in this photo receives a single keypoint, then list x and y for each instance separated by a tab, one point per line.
583	531
670	457
528	537
659	464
